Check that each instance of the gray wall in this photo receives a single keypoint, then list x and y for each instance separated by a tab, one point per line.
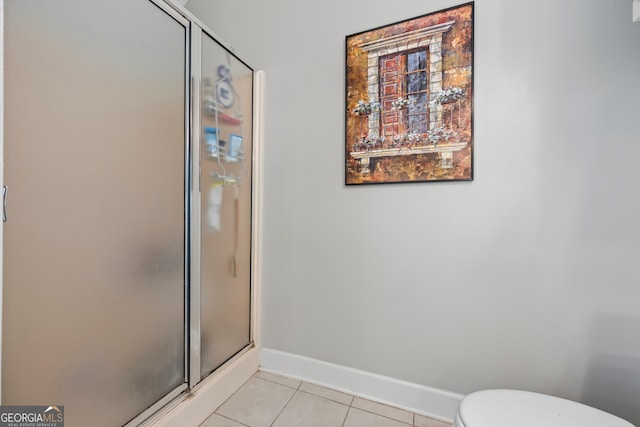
526	277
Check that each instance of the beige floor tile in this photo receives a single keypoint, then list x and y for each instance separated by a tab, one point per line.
216	420
257	403
360	418
327	393
308	410
384	410
289	382
422	421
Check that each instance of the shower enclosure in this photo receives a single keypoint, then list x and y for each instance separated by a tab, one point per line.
128	183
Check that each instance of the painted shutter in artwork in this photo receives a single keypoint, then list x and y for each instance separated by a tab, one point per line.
392	71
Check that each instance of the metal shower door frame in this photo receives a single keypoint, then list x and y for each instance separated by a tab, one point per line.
194	375
155	409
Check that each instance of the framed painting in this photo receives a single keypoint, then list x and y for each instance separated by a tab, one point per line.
409	100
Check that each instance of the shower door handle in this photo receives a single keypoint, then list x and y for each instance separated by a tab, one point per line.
5	189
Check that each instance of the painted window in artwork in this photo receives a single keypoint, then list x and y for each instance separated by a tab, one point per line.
404	76
416	79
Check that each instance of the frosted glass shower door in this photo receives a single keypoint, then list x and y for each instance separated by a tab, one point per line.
225	181
94	269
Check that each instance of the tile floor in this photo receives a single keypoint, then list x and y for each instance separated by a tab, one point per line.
269	400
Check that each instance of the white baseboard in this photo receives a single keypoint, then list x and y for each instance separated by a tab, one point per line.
211	393
432	402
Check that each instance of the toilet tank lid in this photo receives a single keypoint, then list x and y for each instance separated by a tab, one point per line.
508	408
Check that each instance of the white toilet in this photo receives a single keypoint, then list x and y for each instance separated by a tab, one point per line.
512	408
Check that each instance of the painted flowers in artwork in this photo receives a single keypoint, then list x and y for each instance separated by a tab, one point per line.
368	142
448	95
439	134
402	103
364	108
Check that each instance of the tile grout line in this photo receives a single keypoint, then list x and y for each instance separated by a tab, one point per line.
328	398
263	379
215	411
284	385
383	416
299	388
283	408
231	419
346	415
413	414
350	405
319	397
